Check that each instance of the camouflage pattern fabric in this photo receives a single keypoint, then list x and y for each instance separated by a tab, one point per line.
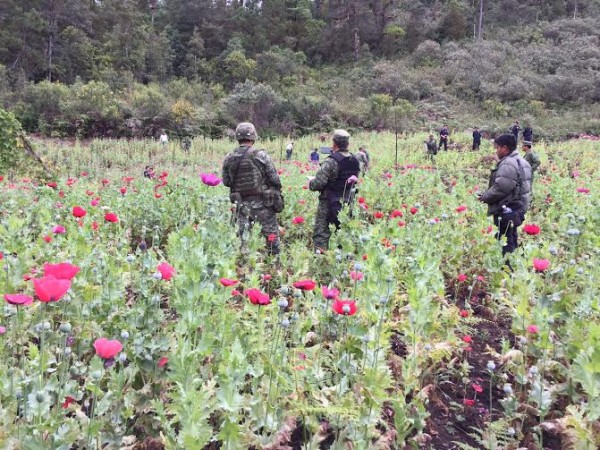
271	177
325	216
251	210
363	161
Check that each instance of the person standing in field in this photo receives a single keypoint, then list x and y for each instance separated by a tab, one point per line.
531	157
163	139
255	187
528	134
288	150
431	147
335	182
515	130
314	156
476	139
508	194
444	133
363	159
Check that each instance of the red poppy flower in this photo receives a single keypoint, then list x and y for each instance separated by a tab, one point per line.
123	190
468	402
257	297
298	220
127	179
52	184
531	229
166	270
396	213
329	294
464	313
111	217
61	194
401	223
67	402
477	388
79	212
266	277
271	237
378	214
461	208
583	190
105	182
540	265
95	202
305	285
47	238
462	278
50	289
235	293
95	225
344	307
467	339
1	255
228	282
62	271
414	210
157	195
163	361
361	200
106	349
18	299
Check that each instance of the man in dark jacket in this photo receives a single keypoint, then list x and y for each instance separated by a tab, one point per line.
515	130
508	194
335	181
254	182
444	133
528	134
476	139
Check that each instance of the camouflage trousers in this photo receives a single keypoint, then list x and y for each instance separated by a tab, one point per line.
249	212
325	216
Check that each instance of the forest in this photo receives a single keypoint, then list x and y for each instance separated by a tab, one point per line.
127	68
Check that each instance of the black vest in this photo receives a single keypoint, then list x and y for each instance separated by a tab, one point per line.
347	166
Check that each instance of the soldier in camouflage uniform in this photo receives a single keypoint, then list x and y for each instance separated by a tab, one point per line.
531	157
332	182
363	160
253	182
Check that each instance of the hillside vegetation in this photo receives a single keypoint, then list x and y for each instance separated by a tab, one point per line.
195	67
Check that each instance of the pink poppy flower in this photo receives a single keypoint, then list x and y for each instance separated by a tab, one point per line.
59	229
540	265
298	220
329	294
18	299
344	307
61	271
257	297
305	285
166	270
106	349
50	289
226	282
210	179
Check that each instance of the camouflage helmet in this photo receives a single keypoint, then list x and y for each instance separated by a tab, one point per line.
341	137
245	131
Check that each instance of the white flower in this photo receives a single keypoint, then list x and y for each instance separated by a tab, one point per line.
491	366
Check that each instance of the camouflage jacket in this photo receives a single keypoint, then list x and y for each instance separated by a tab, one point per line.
533	159
271	177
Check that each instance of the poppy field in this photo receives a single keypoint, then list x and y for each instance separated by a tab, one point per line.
131	321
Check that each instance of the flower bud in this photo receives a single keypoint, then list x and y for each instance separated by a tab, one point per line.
491	366
125	335
282	303
96	374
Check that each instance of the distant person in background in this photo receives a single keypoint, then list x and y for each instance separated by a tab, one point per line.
444	133
476	139
515	130
431	147
531	157
288	150
314	156
363	159
149	172
528	134
163	139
